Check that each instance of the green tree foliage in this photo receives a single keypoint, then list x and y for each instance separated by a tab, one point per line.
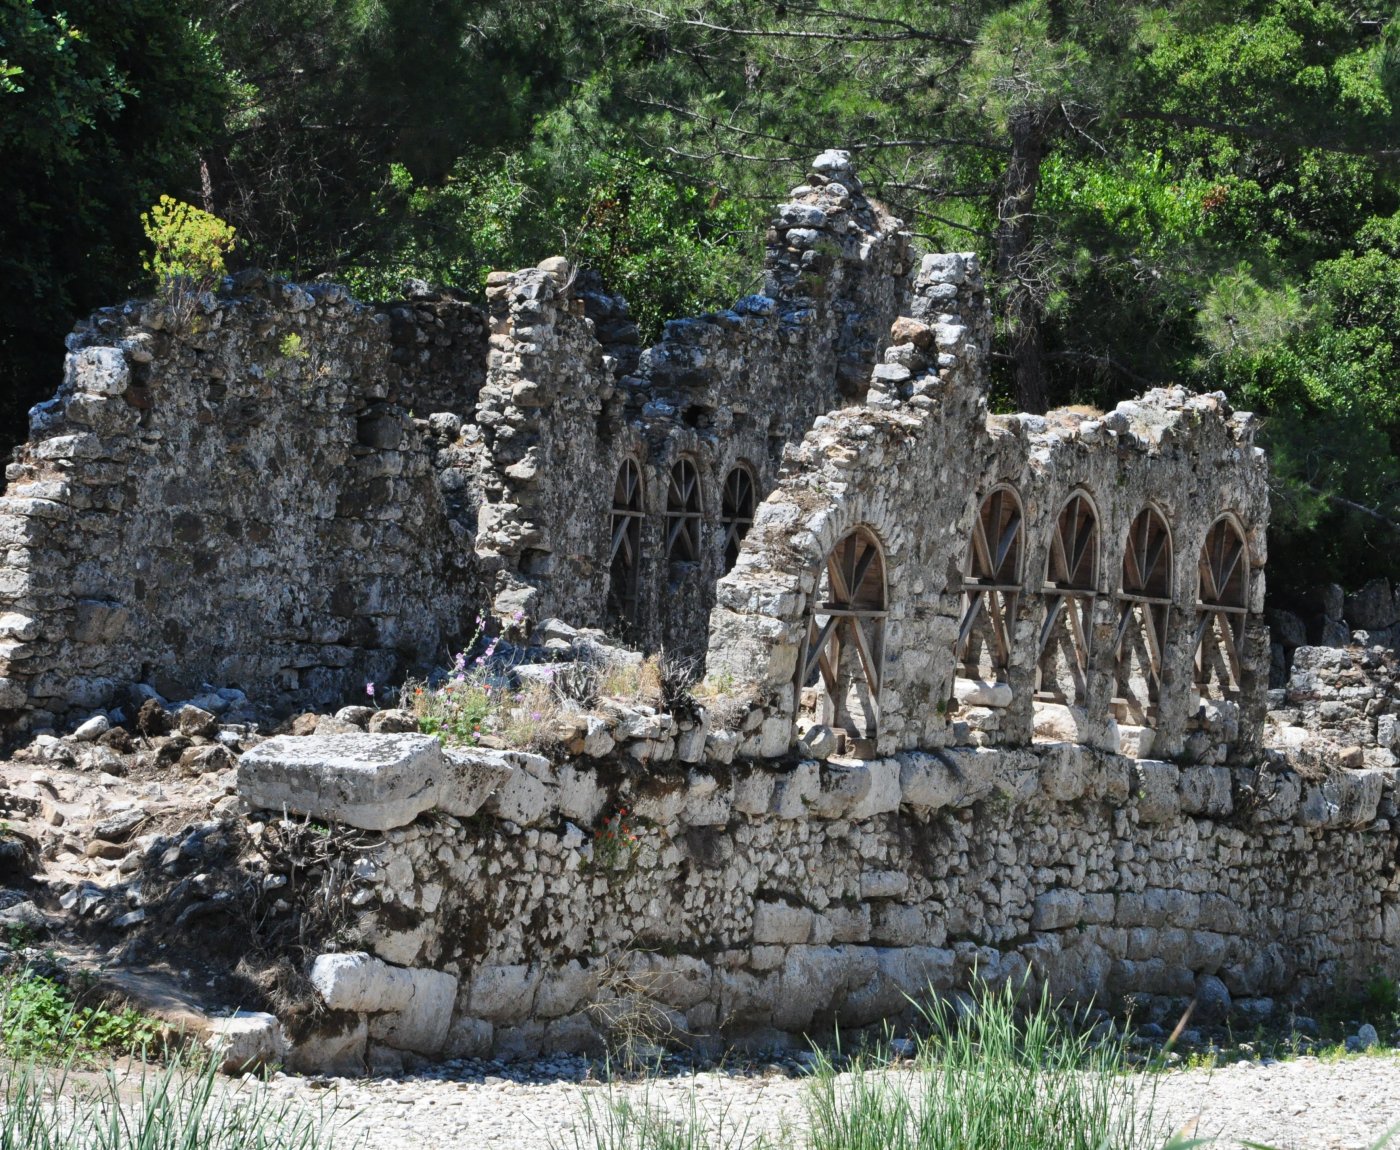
1198	191
103	106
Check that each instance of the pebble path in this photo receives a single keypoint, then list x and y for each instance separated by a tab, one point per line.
1298	1104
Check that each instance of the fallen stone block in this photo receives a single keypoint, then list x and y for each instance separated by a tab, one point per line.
247	1040
375	782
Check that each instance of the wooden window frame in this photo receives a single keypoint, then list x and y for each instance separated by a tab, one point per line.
853	614
1144	599
992	577
1071	588
684	512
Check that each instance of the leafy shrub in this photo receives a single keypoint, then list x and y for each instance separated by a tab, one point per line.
188	245
39	1019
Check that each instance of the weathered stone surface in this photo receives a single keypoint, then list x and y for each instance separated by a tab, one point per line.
357	981
335	1045
472	776
247	1040
1158	797
422	1023
370	781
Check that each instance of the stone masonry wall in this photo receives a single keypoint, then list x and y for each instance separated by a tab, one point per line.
244	495
758	902
912	468
723	390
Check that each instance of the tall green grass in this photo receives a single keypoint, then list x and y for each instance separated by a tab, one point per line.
50	1100
178	1106
989	1077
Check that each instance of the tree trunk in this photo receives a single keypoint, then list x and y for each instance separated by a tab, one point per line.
1015	233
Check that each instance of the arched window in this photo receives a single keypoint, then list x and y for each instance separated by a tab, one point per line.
1144	599
736	511
625	558
991	587
1222	601
683	514
842	659
1071	581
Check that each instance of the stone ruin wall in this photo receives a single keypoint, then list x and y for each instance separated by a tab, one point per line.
238	496
940	791
292	493
561	413
776	888
763	900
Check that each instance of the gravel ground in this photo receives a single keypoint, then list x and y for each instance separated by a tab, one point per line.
1299	1104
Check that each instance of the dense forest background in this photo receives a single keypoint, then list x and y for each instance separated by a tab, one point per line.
1194	191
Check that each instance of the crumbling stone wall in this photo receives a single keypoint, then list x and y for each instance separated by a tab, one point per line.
561	413
758	902
914	468
291	492
241	491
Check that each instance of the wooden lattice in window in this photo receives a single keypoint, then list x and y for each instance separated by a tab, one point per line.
1144	612
991	587
1222	601
1071	581
736	511
683	513
624	561
844	651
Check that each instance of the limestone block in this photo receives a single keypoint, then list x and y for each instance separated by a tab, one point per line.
842	786
421	1025
981	693
1347	799
977	770
753	792
1157	791
93	728
690	745
919	970
779	923
1206	791
721	746
469	1038
1057	909
1057	723
246	1040
360	982
564	989
928	781
524	799
472	776
895	924
1065	772
1135	742
817	742
795	791
98	371
677	981
847	923
707	804
580	795
334	1045
403	946
503	995
884	793
375	782
598	740
575	1034
813	980
883	883
775	737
